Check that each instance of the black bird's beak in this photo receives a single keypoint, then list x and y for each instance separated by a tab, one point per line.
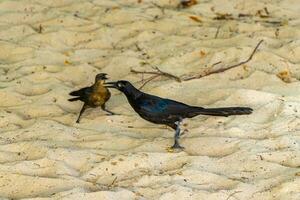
111	85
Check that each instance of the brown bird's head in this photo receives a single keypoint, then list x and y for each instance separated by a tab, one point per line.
101	77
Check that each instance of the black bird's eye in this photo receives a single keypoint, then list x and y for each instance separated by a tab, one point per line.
120	85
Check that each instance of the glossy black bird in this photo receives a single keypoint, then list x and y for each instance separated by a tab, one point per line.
93	96
166	111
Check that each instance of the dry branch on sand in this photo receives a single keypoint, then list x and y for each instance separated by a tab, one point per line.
208	72
211	71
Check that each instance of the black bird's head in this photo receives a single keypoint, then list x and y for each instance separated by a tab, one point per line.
119	85
124	86
101	77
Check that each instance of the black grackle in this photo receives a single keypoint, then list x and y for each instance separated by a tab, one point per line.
166	111
93	96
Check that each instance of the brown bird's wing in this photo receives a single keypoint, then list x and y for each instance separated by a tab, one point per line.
81	92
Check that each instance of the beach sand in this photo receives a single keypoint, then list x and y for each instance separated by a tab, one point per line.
49	48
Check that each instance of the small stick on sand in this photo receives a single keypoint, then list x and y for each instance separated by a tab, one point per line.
167	74
157	72
232	195
138	47
113	182
160	7
209	72
217	33
148	80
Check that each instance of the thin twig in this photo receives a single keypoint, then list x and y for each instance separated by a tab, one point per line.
232	194
160	7
157	72
167	74
148	80
216	63
137	47
143	72
209	72
113	182
217	33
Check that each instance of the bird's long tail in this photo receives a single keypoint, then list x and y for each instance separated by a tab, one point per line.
225	111
74	99
76	93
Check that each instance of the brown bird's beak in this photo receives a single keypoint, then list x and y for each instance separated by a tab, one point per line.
111	85
105	77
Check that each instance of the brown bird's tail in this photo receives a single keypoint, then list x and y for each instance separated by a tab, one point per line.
74	99
225	111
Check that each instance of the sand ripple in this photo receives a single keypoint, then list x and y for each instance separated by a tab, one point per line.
49	48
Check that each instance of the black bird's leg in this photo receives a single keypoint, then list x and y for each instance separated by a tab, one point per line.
103	108
80	113
177	136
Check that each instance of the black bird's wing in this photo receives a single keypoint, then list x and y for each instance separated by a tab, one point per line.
162	106
160	110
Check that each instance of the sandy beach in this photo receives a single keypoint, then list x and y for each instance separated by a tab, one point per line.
50	48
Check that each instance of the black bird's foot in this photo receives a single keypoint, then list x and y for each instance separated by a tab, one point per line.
176	146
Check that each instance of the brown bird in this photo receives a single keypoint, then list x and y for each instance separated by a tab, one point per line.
93	96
